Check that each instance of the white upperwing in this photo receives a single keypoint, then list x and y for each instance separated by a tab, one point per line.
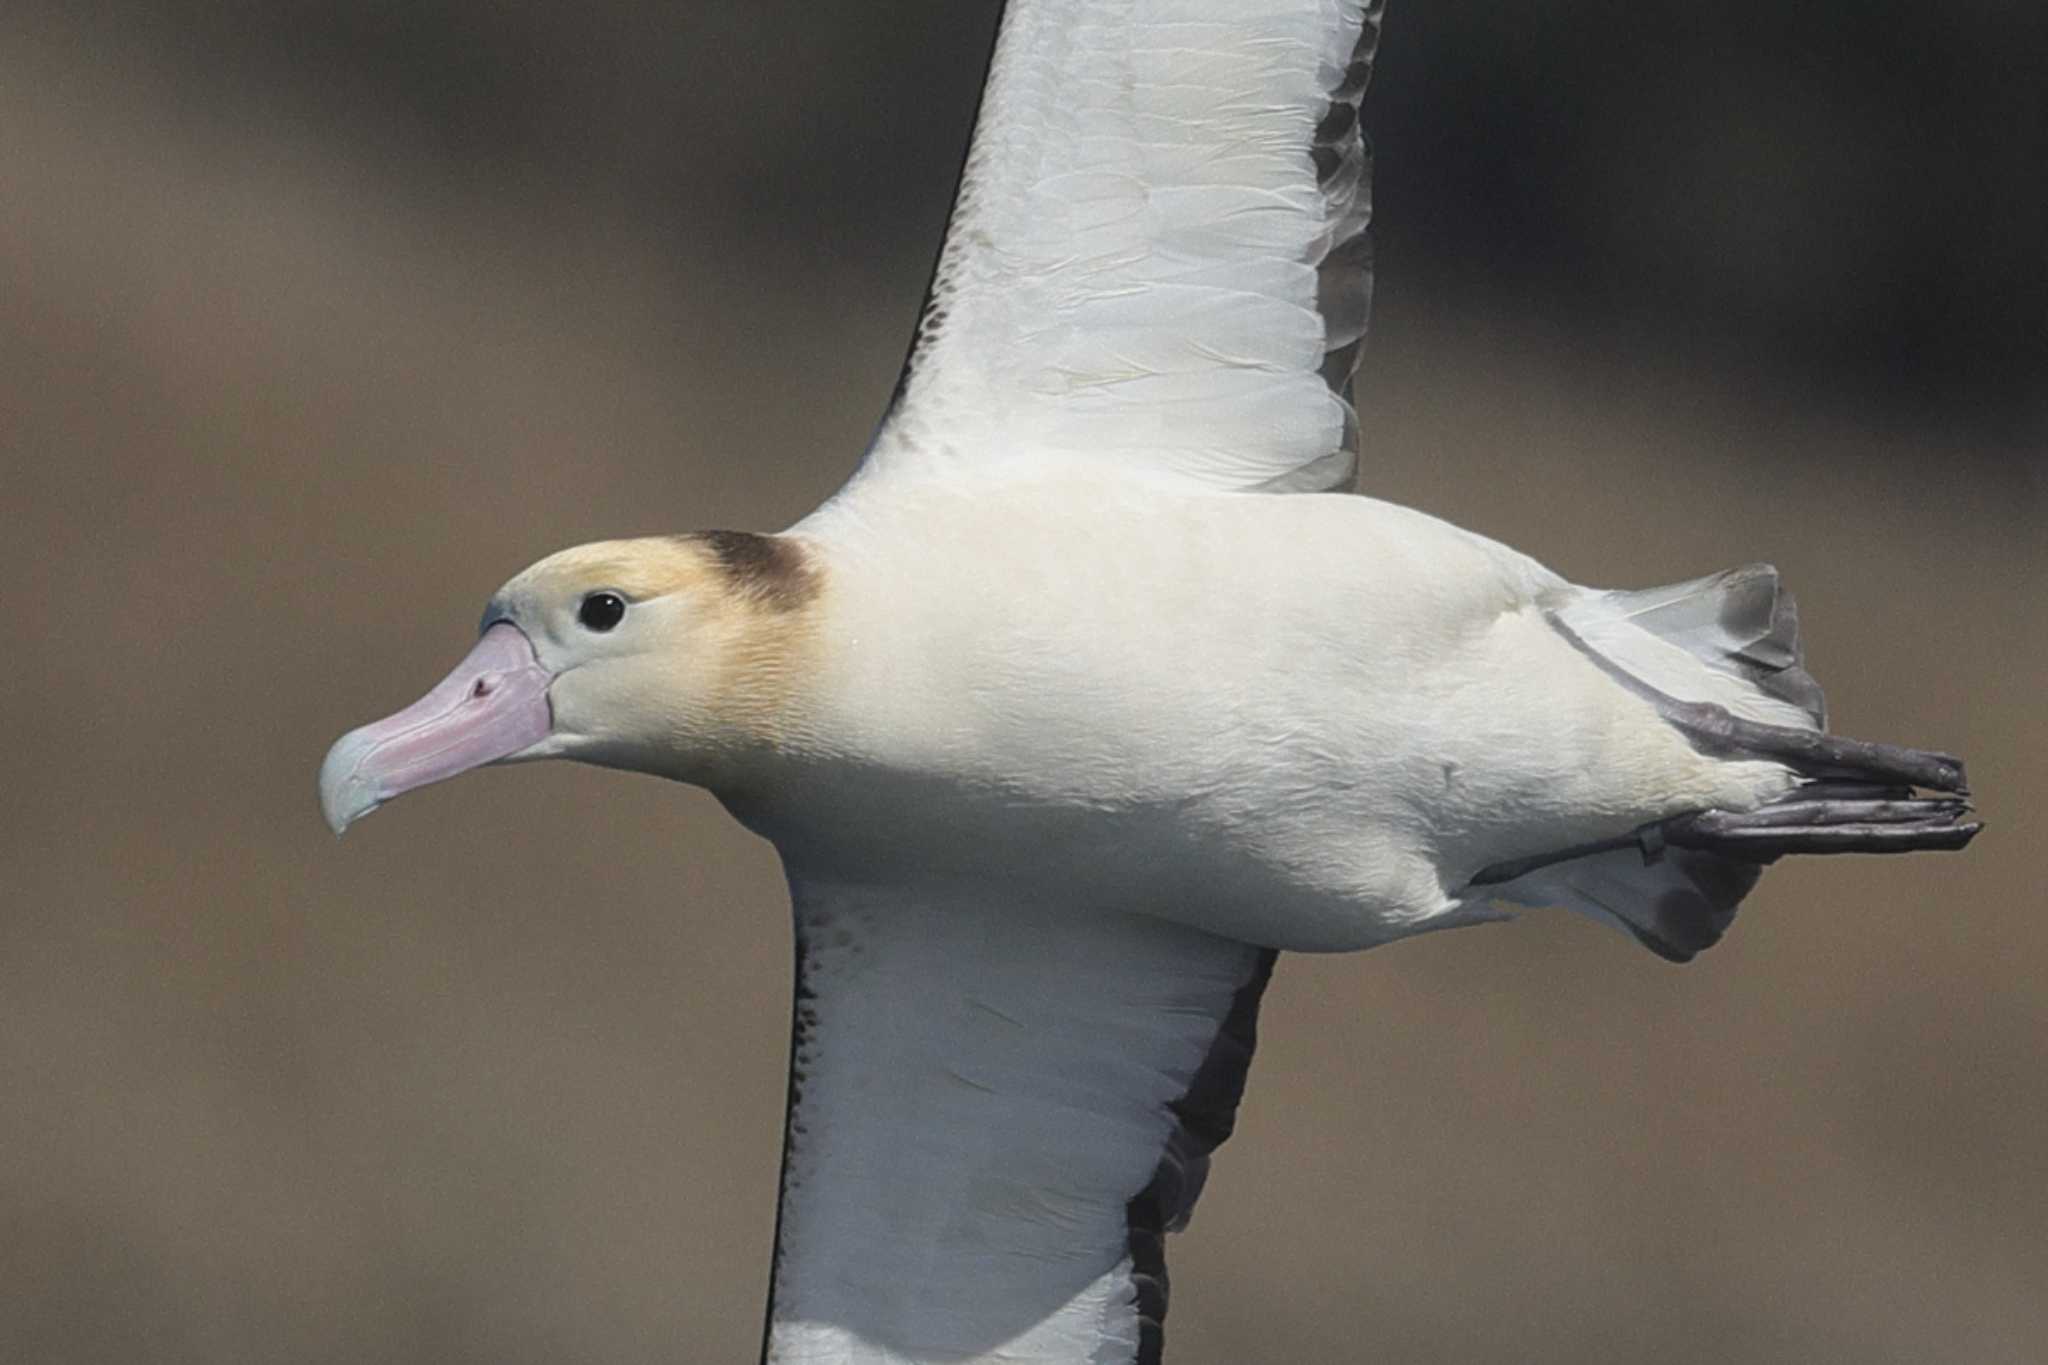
1158	255
996	1110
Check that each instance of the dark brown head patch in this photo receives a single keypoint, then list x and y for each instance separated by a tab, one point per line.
773	571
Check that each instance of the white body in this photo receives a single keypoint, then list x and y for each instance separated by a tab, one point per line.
1300	722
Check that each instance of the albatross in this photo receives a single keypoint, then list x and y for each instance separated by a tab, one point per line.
1095	688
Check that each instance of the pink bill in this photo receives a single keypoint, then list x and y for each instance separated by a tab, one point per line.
491	707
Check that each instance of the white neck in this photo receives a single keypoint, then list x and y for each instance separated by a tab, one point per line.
988	1104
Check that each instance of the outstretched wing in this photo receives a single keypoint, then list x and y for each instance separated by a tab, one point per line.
996	1111
1158	255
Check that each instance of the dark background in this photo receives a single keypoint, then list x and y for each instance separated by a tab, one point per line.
319	320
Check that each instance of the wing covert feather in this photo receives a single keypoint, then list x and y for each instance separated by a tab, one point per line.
997	1111
1158	256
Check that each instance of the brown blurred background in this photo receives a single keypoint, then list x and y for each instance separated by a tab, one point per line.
319	319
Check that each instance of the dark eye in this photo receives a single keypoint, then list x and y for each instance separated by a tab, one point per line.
601	611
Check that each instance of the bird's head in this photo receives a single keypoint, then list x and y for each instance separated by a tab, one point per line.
664	655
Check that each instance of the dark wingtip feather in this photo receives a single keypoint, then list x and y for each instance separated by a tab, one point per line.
1204	1118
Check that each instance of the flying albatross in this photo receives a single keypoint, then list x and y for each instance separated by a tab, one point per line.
1094	688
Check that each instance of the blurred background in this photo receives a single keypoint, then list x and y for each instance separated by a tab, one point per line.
319	319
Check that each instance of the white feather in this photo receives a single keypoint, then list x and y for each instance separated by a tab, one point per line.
1130	274
983	1085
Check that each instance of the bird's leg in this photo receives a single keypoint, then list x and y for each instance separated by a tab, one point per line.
1825	817
1715	729
1815	817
